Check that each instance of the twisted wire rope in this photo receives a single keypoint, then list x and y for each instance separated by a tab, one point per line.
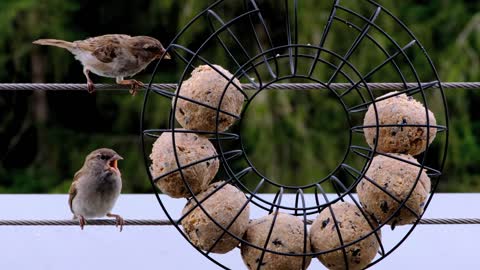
248	86
159	222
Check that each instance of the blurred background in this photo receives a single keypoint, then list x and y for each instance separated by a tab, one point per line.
45	136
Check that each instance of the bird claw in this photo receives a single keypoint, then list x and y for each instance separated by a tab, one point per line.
134	87
119	221
90	87
82	222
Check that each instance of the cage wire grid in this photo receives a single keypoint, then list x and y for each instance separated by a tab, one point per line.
264	69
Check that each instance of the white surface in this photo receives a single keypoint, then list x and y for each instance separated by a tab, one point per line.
52	248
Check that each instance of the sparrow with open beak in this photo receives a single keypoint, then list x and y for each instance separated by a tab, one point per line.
96	187
113	56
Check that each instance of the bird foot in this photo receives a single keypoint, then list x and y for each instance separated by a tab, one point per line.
82	222
119	221
90	87
134	84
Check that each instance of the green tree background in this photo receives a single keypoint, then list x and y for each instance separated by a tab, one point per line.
44	136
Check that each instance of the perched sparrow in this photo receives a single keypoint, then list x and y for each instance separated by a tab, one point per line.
96	187
113	56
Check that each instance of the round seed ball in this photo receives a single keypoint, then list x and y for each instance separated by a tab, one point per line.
353	226
206	86
287	237
400	109
398	178
223	207
190	148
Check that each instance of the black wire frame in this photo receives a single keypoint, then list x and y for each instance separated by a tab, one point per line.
270	58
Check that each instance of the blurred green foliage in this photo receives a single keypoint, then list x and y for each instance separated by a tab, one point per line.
295	137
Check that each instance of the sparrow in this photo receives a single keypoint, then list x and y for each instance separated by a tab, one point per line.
113	56
96	187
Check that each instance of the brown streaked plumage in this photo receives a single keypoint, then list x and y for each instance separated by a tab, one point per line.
96	187
114	56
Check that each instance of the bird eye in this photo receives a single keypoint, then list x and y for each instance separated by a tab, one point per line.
103	157
151	49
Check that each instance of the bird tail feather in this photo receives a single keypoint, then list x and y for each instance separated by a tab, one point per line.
55	42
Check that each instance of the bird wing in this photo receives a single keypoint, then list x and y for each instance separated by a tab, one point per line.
73	189
105	54
105	48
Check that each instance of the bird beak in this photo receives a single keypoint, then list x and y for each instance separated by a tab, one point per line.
167	55
113	163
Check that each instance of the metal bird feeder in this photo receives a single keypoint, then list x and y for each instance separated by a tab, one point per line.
261	60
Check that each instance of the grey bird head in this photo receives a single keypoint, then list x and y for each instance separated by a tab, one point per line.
103	159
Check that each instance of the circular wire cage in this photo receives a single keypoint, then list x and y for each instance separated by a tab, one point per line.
351	51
